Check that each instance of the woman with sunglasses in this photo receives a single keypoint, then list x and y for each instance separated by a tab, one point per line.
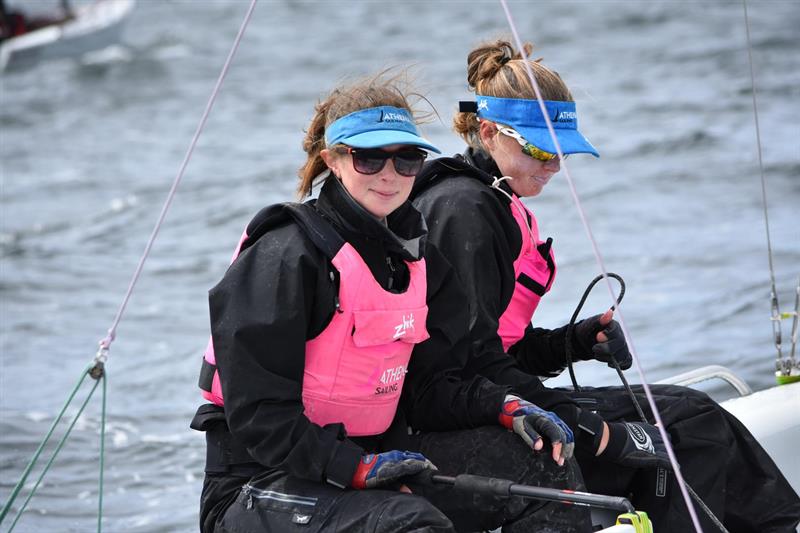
472	205
336	329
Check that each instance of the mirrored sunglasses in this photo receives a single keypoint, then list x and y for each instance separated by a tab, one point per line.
407	162
528	148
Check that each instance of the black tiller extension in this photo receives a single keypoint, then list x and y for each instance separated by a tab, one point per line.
506	488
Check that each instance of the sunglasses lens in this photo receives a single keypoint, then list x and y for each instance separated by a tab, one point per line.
409	163
406	162
369	161
538	153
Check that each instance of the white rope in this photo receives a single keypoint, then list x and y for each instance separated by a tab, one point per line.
521	210
601	263
105	343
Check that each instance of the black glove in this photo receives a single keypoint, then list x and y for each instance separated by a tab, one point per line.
637	445
614	348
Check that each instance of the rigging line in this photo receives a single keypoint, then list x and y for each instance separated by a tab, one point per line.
656	414
105	343
38	452
776	318
55	453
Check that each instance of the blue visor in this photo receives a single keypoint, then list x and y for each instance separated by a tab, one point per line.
526	117
376	127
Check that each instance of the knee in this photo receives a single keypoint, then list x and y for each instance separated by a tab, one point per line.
408	512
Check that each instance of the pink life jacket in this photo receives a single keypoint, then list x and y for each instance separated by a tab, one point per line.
357	364
534	270
355	368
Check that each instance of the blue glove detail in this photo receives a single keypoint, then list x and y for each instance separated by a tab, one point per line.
532	422
376	470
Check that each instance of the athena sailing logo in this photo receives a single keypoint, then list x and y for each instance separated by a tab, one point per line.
640	438
390	380
393	117
564	116
403	327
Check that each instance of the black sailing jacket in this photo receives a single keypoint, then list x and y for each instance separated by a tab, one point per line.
472	225
279	293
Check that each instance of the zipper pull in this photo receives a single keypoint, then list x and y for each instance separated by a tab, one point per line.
336	296
391	268
246	492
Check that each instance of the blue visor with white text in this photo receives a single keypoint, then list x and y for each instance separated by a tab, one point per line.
526	117
376	127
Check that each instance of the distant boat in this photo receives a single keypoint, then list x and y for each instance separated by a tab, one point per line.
91	27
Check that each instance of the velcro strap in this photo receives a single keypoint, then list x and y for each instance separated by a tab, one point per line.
467	107
530	284
206	375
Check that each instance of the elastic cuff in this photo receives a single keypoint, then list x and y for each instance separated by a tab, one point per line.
617	438
343	462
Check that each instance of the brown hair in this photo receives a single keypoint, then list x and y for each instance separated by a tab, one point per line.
496	69
378	90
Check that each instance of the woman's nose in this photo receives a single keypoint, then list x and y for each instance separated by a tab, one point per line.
553	165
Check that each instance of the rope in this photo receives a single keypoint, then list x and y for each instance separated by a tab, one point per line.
784	367
105	343
659	424
36	455
776	320
97	369
102	456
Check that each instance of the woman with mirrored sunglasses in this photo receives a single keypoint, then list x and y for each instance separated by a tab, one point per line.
333	375
472	204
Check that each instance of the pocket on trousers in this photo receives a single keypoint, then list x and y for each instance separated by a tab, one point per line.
268	511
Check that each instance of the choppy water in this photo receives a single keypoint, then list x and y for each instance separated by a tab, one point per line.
89	150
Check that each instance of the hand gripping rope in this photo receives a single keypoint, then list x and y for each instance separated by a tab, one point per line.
684	488
97	369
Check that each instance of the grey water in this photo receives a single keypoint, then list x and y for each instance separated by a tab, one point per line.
89	148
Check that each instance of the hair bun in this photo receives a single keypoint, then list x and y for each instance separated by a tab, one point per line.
486	61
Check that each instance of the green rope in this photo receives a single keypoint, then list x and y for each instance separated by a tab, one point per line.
55	453
102	456
35	457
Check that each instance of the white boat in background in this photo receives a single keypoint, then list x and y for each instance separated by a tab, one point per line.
92	27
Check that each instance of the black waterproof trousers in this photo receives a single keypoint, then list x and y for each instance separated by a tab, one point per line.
275	502
719	459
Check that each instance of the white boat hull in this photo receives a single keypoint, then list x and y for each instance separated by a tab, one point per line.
773	417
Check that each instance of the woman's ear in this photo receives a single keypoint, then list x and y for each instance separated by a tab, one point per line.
488	134
331	160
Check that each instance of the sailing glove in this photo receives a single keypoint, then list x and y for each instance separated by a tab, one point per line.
532	422
614	348
378	470
637	445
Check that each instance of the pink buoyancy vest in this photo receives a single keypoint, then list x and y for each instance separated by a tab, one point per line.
355	368
214	395
534	271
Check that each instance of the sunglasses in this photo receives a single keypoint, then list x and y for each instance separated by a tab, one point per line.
528	148
372	160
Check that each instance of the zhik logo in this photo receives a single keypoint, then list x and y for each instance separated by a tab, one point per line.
403	327
483	105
